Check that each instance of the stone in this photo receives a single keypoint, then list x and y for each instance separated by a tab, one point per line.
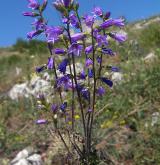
19	90
117	77
35	159
150	58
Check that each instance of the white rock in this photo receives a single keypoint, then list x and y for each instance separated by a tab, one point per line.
155	118
117	77
35	159
20	156
78	66
19	90
18	71
21	162
151	57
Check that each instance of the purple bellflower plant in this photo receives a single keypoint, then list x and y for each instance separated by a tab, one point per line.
83	86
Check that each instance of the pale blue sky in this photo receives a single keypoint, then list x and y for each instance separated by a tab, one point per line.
13	25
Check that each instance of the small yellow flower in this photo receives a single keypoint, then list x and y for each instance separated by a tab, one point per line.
107	124
122	122
77	117
69	122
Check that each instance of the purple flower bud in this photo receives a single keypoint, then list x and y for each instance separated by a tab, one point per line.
77	37
119	37
41	96
98	11
54	107
107	15
108	51
99	59
33	4
59	51
100	91
82	75
32	34
89	62
90	73
64	20
67	2
114	69
90	110
40	69
62	66
63	106
85	93
30	14
60	4
41	121
50	63
107	81
88	49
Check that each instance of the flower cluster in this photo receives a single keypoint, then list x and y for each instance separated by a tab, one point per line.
91	47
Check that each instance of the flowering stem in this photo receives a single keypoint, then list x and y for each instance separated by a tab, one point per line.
76	84
55	72
70	69
94	90
101	57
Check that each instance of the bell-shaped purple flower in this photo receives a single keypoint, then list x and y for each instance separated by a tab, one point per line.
85	93
50	63
114	69
76	49
32	34
108	51
107	81
77	37
89	20
33	4
41	121
39	24
101	40
118	22
88	49
62	66
119	37
98	11
63	106
53	33
111	22
66	82
59	51
106	24
74	21
100	91
89	62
